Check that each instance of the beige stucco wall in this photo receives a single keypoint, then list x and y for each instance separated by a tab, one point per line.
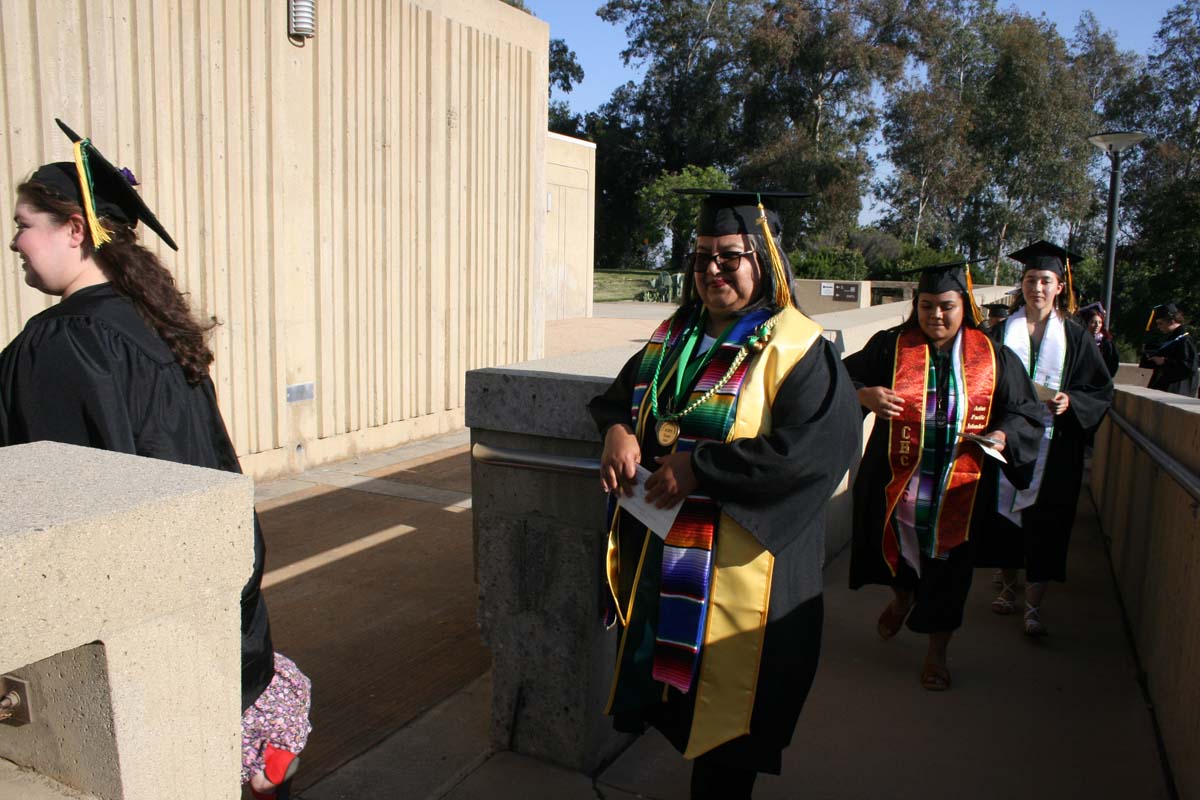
1153	527
119	585
570	226
363	213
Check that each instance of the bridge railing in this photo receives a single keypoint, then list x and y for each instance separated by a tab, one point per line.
1146	483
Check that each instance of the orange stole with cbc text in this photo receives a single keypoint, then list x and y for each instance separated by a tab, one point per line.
907	435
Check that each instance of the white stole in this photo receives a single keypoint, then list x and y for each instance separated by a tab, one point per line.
1048	371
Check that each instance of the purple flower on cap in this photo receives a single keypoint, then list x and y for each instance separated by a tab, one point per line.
129	176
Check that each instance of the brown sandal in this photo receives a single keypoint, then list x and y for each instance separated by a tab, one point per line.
891	620
935	677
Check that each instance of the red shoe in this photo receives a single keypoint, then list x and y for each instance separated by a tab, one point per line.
278	766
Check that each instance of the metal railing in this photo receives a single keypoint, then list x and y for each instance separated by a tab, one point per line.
540	462
1162	459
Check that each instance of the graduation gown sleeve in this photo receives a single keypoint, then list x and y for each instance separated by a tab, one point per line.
873	364
613	407
774	485
1108	354
1088	382
61	381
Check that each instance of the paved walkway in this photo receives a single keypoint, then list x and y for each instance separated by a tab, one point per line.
371	591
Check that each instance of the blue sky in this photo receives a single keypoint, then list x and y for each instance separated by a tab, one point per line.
598	44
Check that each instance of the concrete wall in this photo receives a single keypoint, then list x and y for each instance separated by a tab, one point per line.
120	585
824	297
570	226
1132	375
849	330
362	213
1153	526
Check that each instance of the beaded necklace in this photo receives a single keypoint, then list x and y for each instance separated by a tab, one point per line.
668	428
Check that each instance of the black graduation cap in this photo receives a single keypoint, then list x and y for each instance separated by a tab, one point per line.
102	189
949	276
1162	310
997	310
726	211
1045	255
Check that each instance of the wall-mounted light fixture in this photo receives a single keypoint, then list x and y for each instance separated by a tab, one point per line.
302	19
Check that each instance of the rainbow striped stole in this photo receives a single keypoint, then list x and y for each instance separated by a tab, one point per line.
687	564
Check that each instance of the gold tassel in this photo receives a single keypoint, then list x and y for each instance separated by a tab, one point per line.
783	294
1071	305
100	234
975	312
1150	321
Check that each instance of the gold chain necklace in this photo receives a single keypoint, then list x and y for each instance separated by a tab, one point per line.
668	428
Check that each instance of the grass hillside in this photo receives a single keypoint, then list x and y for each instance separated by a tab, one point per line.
612	285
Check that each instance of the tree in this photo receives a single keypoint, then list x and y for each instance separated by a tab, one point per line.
1175	71
1159	257
682	113
669	217
808	113
927	130
1033	117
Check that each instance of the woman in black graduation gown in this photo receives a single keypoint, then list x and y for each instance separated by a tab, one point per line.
1173	357
1032	526
920	491
744	415
119	363
1092	318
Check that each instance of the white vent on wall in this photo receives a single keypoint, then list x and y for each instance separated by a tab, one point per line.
302	18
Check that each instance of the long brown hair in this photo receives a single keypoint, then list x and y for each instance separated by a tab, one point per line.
136	273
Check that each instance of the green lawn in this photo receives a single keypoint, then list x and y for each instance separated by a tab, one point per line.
612	285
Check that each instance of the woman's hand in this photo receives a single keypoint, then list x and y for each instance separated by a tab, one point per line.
672	481
619	461
882	400
1059	403
998	436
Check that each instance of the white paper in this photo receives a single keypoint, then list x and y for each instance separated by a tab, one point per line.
985	444
656	519
827	289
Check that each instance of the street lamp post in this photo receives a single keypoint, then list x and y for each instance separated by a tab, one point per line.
1113	142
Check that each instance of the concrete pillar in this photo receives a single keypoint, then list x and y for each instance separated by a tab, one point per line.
539	553
120	582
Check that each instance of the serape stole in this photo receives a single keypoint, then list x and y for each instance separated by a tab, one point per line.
687	562
931	494
916	513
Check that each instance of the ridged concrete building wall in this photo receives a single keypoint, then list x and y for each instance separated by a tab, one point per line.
362	213
570	223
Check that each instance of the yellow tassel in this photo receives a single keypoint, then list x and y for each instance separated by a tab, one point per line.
1071	305
100	234
783	294
975	312
1150	321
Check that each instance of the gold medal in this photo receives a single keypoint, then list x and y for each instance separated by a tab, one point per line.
667	432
